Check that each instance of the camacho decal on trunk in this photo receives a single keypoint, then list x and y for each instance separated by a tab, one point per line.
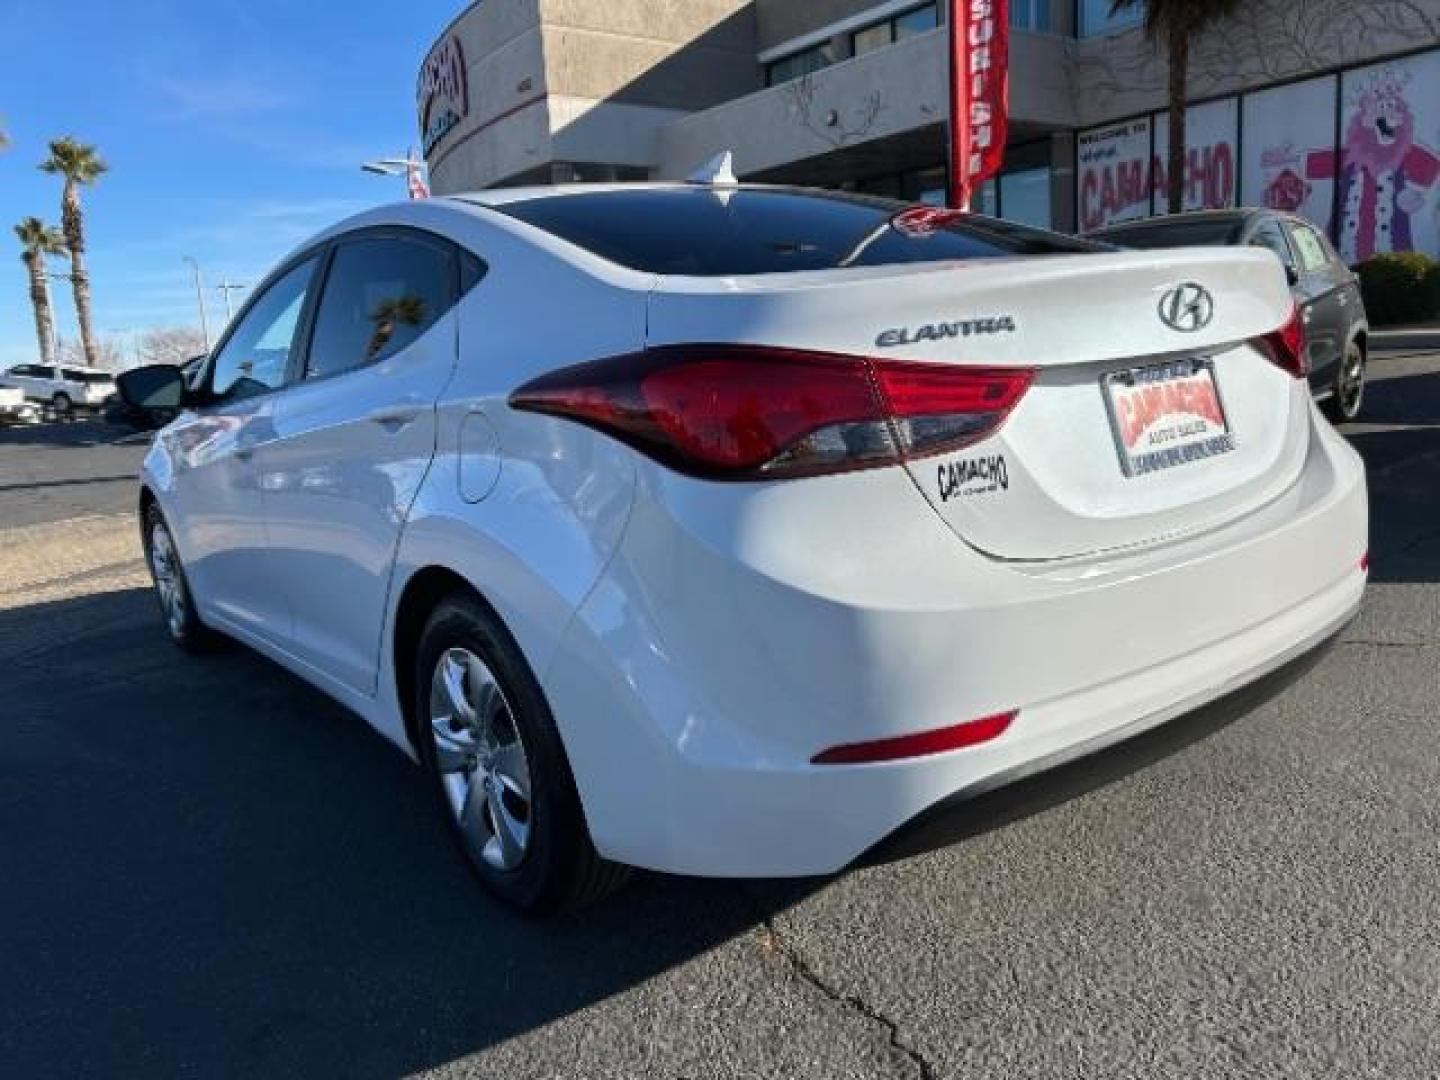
972	476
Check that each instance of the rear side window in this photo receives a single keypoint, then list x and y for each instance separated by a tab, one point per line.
380	295
708	233
1313	254
91	377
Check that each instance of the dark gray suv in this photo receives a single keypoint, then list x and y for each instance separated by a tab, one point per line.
1326	291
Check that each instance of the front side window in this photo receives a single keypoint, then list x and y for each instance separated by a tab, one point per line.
380	295
256	356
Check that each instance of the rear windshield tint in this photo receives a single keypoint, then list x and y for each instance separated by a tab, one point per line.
709	233
1173	234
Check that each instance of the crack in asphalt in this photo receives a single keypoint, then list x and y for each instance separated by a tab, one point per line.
802	969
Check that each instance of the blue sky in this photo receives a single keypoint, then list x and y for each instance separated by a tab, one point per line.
233	130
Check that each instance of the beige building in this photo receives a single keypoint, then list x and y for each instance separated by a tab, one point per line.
1289	104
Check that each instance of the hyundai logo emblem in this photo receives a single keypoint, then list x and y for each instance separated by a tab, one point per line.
1187	308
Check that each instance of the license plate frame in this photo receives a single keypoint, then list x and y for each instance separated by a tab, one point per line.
1182	421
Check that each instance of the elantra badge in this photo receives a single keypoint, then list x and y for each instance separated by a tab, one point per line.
1187	308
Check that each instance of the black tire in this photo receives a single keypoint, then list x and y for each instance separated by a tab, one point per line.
62	404
1347	396
187	632
560	869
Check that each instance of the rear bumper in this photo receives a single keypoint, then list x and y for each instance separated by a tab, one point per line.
713	661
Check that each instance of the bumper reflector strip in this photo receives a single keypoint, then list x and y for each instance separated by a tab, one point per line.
921	744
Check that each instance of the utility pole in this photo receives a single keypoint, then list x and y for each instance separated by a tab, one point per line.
225	288
200	299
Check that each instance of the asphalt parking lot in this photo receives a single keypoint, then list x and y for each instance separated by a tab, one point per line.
209	869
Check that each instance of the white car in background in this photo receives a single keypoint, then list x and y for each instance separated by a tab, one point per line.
723	530
14	408
63	388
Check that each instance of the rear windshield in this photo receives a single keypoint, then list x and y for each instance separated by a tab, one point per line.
1173	234
714	233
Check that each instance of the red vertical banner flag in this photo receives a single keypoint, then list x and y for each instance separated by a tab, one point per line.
979	94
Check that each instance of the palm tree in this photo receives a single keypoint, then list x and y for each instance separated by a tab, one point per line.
79	165
390	313
38	241
1176	23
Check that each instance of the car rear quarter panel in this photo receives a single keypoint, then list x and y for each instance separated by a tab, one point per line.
527	508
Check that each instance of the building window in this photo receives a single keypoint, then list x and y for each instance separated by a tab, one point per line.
917	21
800	64
1030	15
872	38
1096	20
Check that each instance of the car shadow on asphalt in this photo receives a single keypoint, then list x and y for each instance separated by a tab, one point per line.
1399	438
212	869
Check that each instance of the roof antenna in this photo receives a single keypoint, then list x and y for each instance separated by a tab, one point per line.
719	171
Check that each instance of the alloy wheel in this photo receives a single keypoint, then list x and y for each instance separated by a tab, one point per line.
1350	387
169	583
481	759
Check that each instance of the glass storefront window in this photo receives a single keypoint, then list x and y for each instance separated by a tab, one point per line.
1096	20
1025	197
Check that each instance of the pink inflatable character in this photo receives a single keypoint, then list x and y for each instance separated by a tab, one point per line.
1386	175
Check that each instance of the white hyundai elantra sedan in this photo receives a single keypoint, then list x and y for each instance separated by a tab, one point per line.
723	530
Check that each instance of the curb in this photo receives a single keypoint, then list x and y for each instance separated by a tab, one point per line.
1419	339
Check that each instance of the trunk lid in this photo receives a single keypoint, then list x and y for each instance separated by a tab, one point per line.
1110	372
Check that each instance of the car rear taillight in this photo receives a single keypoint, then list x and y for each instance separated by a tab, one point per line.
1285	348
742	412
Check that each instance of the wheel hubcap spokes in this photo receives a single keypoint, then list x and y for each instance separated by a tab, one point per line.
481	759
1352	382
168	584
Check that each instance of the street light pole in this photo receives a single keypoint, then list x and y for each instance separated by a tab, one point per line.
225	288
200	299
412	167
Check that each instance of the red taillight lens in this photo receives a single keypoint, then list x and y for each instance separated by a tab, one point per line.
1286	346
920	744
745	412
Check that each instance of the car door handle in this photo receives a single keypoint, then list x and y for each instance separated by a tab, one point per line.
395	416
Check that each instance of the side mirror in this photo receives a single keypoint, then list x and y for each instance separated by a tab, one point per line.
1292	274
156	389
